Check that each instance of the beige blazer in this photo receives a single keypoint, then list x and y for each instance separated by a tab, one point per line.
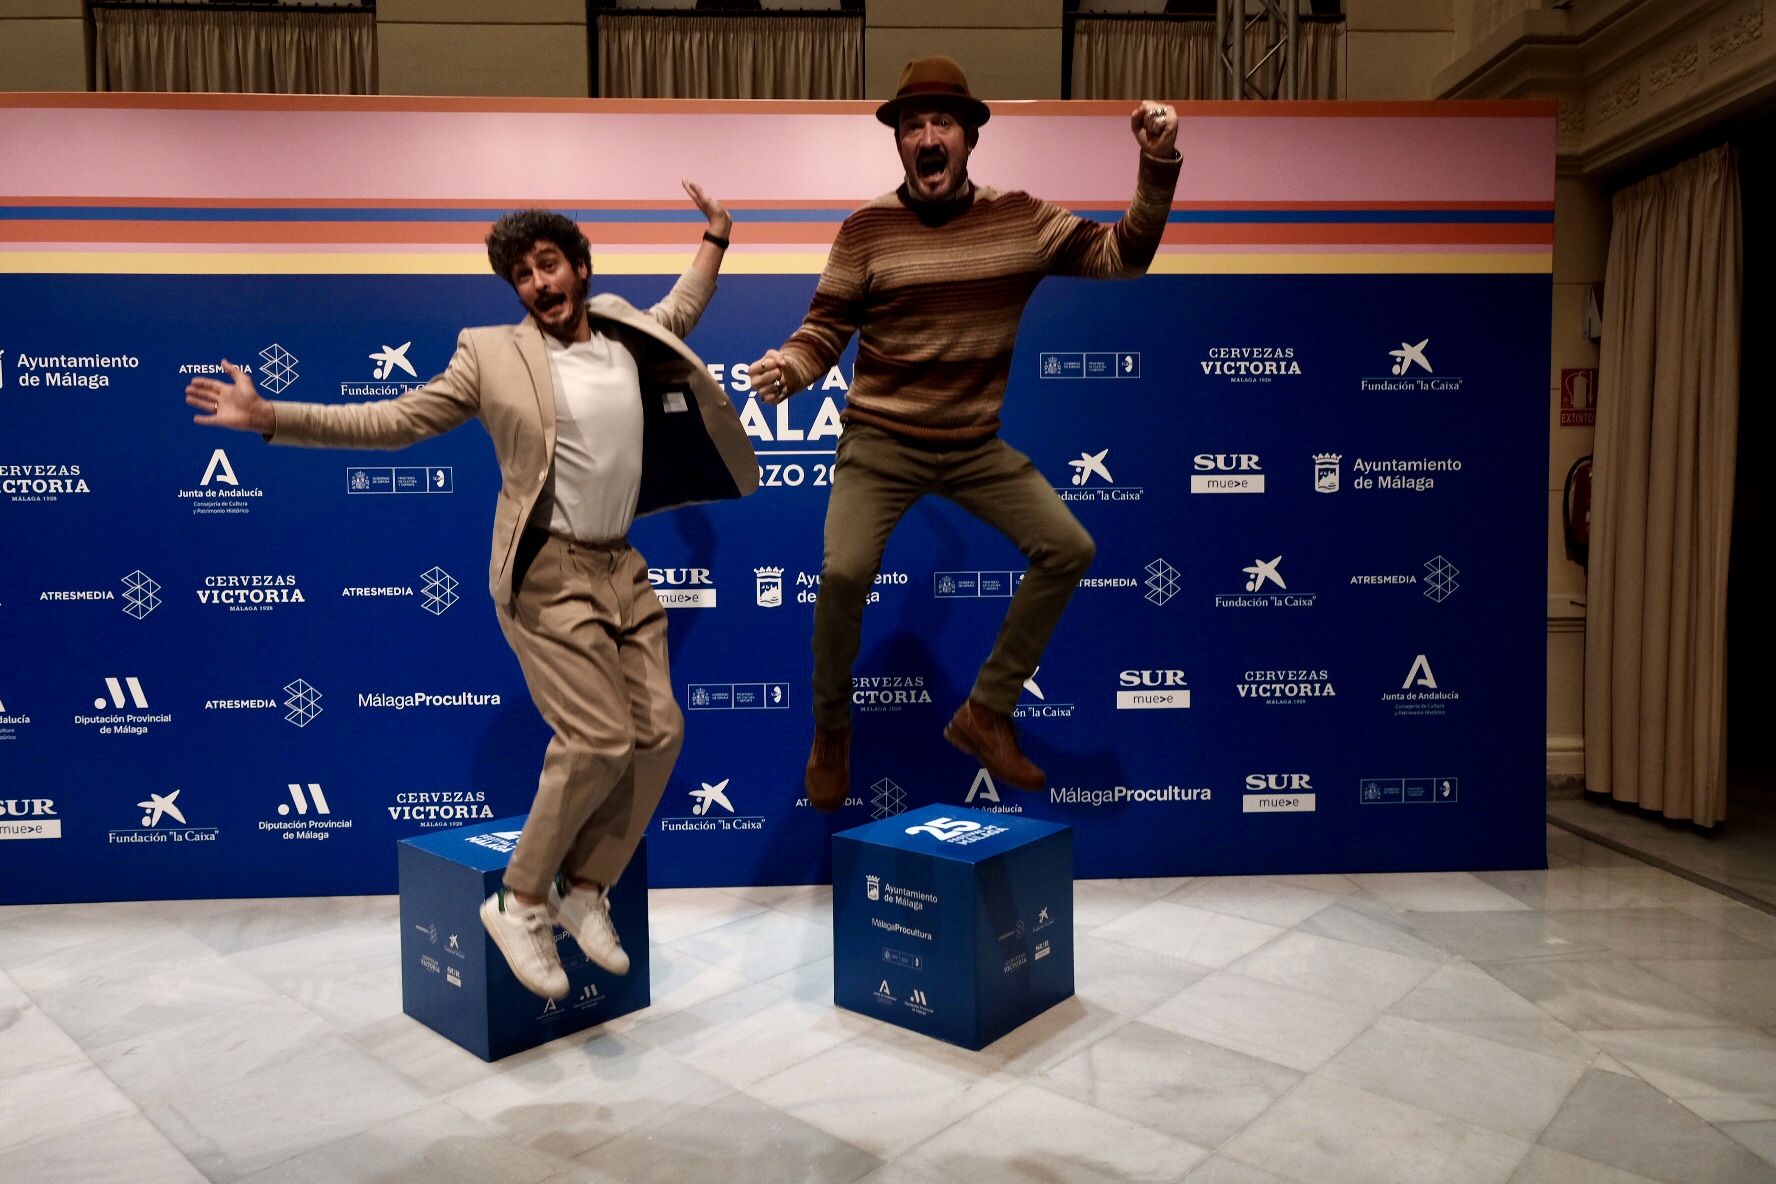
693	450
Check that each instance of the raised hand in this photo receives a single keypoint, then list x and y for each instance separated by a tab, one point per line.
1156	128
720	221
234	405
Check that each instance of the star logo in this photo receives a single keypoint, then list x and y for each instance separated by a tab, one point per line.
159	807
712	795
388	359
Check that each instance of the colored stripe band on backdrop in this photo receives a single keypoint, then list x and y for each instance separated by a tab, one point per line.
1388	205
833	215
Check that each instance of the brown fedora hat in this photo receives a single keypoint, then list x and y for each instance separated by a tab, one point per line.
934	79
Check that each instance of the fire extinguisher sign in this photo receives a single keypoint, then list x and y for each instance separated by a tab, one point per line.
1578	398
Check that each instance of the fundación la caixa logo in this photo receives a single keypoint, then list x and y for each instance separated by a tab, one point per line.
388	360
1266	587
1410	369
713	810
160	808
1092	481
1039	706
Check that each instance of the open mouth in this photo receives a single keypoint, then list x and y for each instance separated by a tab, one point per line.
931	163
549	301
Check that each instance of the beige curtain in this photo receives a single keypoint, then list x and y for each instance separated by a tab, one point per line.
1175	59
1661	516
726	57
291	53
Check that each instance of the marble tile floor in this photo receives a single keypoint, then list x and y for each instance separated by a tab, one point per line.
1739	858
1601	1022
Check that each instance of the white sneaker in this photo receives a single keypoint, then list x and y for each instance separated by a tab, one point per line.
586	914
526	936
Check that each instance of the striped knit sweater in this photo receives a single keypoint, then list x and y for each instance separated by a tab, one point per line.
936	307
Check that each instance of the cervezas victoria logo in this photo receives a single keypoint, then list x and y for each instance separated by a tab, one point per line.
1247	364
254	592
41	482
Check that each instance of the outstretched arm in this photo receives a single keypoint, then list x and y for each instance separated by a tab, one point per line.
433	409
681	309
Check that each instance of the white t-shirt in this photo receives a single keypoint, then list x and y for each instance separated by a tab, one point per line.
596	476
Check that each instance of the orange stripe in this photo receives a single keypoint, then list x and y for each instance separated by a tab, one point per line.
1329	108
109	231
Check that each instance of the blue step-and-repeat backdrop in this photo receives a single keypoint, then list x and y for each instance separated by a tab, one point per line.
1314	463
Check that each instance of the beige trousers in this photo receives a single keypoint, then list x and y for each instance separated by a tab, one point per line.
590	636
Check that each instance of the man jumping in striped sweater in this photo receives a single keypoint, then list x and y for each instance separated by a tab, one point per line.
934	278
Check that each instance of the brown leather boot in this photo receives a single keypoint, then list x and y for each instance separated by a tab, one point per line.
829	768
990	739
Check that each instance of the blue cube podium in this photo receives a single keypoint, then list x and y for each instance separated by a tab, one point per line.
953	922
454	979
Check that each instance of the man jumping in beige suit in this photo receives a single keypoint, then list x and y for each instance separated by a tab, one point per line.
598	412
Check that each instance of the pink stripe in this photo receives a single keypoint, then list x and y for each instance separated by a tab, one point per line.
508	158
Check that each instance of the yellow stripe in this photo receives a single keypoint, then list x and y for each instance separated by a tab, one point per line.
738	263
123	262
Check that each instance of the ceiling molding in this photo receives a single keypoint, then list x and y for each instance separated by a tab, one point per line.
1630	77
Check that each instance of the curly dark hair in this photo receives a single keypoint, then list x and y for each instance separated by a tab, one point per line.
513	236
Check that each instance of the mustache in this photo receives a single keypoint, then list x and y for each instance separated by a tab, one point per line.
931	156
